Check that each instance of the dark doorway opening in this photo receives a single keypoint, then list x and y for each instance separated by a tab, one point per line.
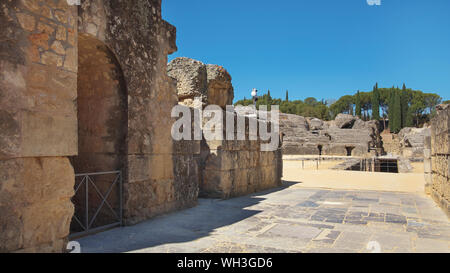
320	147
349	150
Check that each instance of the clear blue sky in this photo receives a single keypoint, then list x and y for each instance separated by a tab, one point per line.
318	48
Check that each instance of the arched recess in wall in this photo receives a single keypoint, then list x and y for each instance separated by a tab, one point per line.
102	128
102	108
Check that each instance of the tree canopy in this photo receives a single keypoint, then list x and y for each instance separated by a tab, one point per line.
399	107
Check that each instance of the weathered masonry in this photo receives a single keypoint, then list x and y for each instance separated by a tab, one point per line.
440	161
227	168
85	102
345	136
85	86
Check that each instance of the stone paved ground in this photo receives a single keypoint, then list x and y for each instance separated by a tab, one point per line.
289	219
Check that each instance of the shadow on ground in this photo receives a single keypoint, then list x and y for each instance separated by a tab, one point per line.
178	227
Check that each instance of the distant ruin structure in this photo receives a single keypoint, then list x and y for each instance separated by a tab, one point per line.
409	142
345	136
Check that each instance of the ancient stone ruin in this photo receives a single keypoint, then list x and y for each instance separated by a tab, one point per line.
85	111
210	83
440	152
409	142
227	167
345	136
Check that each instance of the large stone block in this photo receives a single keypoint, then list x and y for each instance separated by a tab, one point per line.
191	77
39	116
220	89
210	83
35	201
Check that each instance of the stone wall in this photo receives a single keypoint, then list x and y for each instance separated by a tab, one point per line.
391	143
123	119
38	123
440	153
141	40
346	135
233	168
409	142
412	141
227	168
428	167
211	84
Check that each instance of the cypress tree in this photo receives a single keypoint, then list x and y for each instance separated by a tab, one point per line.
406	118
269	101
287	95
391	109
358	105
397	112
376	103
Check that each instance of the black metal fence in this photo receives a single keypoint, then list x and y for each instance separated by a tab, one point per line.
98	202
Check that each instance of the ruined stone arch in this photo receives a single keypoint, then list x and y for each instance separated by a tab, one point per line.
102	108
102	113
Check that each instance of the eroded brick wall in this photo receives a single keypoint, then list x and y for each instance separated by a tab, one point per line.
38	123
440	153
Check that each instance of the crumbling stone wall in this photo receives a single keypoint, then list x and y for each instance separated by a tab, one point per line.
227	168
440	153
211	84
38	123
346	135
141	40
391	143
238	167
409	142
38	114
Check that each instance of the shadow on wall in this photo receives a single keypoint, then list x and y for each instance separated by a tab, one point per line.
183	226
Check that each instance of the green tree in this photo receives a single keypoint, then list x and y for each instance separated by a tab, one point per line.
406	115
431	100
397	112
311	101
358	104
375	103
287	95
418	106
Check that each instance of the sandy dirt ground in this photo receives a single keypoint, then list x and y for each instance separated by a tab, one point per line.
311	177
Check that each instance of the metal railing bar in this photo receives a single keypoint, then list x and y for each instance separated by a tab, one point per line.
103	201
120	198
93	230
95	174
79	222
87	203
87	178
79	185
